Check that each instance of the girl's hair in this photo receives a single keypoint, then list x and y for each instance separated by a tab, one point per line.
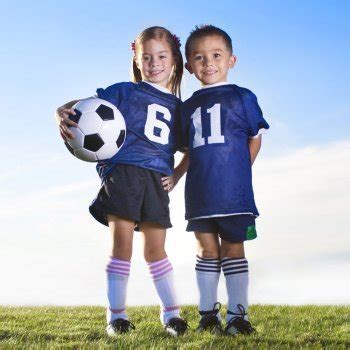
159	33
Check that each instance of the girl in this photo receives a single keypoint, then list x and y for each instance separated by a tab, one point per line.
134	195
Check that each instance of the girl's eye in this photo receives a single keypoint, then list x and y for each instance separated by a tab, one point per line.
216	55
145	58
162	57
197	58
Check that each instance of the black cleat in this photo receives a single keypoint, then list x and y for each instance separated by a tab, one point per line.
237	324
210	321
176	326
119	326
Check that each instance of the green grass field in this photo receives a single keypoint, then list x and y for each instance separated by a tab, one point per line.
278	327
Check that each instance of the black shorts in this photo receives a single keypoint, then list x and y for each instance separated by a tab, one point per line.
133	193
232	228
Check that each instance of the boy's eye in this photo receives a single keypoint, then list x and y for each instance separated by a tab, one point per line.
162	57
197	58
216	55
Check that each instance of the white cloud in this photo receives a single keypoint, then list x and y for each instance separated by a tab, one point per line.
55	252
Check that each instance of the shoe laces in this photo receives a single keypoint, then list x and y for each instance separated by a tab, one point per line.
238	320
210	318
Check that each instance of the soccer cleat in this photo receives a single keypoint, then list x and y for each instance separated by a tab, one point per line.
176	326
210	321
237	324
119	326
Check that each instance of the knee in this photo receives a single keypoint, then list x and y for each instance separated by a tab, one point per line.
232	250
209	252
122	251
153	254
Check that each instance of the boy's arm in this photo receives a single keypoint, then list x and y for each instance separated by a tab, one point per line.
254	147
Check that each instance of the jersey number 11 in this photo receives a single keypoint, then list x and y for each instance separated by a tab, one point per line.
215	126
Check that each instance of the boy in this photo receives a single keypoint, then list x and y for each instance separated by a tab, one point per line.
221	128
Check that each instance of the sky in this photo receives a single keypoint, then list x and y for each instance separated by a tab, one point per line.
293	55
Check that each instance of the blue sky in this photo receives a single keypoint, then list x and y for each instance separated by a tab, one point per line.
293	54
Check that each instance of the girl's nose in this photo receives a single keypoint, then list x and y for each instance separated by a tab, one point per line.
154	62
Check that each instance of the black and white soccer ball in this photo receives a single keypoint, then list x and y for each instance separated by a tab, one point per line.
100	133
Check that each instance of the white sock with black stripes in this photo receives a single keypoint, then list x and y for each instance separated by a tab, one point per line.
208	274
236	275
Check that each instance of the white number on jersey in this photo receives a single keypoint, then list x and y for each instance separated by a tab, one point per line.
152	122
215	126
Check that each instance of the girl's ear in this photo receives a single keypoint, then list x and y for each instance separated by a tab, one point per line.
136	62
232	61
188	67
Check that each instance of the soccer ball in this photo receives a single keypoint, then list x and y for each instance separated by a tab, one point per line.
100	133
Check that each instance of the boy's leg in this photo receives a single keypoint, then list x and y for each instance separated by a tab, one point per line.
207	269
235	268
118	269
161	269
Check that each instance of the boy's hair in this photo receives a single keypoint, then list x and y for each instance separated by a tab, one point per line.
159	33
206	30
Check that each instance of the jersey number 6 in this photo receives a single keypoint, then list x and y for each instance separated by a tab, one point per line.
152	122
215	126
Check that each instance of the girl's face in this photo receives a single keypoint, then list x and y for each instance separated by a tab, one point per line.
155	61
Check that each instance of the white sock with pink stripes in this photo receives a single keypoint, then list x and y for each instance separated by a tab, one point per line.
163	278
117	280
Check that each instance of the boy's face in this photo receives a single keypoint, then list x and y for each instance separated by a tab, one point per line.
210	60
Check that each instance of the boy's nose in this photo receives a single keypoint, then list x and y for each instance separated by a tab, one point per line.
208	62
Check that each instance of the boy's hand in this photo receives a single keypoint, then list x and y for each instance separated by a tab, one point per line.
62	114
169	183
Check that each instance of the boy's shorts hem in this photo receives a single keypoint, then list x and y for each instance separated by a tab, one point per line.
233	228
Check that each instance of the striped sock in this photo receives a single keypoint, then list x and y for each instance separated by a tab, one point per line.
236	274
163	278
208	274
117	280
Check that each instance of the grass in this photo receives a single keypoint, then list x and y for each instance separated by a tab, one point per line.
278	327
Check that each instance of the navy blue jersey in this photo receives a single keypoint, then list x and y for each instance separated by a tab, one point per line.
151	118
216	125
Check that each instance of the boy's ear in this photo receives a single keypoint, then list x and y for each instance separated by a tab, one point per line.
188	67
232	61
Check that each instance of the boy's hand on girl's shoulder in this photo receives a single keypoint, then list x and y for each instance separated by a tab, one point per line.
169	183
63	121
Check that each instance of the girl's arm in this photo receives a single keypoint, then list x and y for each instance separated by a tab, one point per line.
169	182
181	168
62	118
254	147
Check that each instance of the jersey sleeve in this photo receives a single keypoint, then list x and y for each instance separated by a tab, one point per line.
115	93
255	121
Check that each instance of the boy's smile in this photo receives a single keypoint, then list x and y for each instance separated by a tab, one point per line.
210	60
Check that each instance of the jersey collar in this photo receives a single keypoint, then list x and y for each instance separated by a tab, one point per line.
214	85
156	86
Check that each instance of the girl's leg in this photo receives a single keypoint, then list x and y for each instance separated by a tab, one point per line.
207	270
118	267
235	268
161	269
